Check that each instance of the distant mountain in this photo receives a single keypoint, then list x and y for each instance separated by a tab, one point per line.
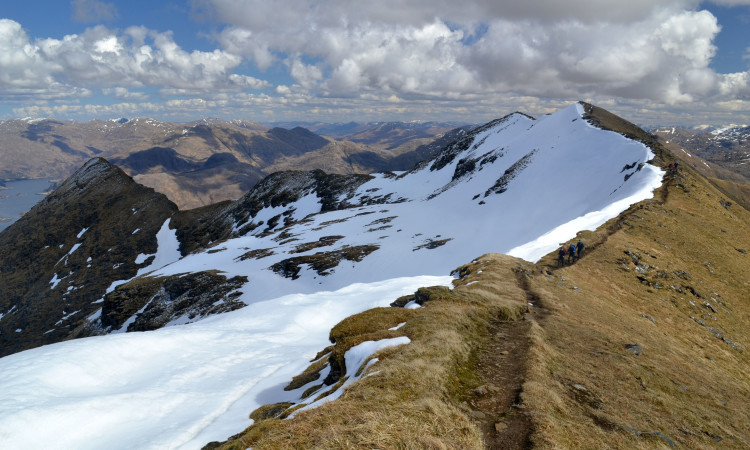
727	147
721	154
349	129
172	157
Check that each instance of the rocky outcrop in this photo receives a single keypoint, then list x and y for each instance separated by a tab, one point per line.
151	303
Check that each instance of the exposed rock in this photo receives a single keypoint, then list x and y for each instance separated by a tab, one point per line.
272	411
502	183
634	349
150	303
257	254
679	385
649	318
481	390
430	244
324	241
322	262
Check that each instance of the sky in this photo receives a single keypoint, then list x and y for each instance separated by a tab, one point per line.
654	62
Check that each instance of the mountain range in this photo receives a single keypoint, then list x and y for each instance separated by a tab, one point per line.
231	300
207	161
721	154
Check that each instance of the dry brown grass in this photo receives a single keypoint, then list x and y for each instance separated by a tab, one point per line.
585	390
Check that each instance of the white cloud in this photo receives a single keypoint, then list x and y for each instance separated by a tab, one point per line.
470	60
22	64
101	58
123	93
641	49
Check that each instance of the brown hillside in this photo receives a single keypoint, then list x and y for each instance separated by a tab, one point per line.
642	343
670	276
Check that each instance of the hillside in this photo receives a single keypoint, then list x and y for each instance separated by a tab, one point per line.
48	284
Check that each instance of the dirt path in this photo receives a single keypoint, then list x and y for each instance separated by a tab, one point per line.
502	367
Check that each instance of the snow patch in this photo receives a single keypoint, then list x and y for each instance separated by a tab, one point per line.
54	281
95	316
412	305
355	357
141	258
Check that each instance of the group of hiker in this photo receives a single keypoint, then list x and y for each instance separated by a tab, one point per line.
573	252
673	168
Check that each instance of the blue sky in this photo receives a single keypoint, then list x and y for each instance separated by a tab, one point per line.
656	62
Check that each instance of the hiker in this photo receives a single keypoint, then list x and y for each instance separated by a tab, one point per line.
579	249
571	253
561	256
671	168
676	165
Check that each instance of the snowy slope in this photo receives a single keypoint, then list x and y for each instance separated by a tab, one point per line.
178	386
518	186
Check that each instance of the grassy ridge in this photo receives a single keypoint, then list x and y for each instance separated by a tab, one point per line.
417	397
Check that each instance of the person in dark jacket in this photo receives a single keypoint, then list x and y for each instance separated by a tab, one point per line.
561	256
579	249
571	253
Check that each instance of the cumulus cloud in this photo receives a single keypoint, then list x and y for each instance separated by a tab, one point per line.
124	93
641	49
101	58
93	11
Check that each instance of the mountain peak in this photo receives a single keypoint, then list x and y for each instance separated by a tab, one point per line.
62	255
95	172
